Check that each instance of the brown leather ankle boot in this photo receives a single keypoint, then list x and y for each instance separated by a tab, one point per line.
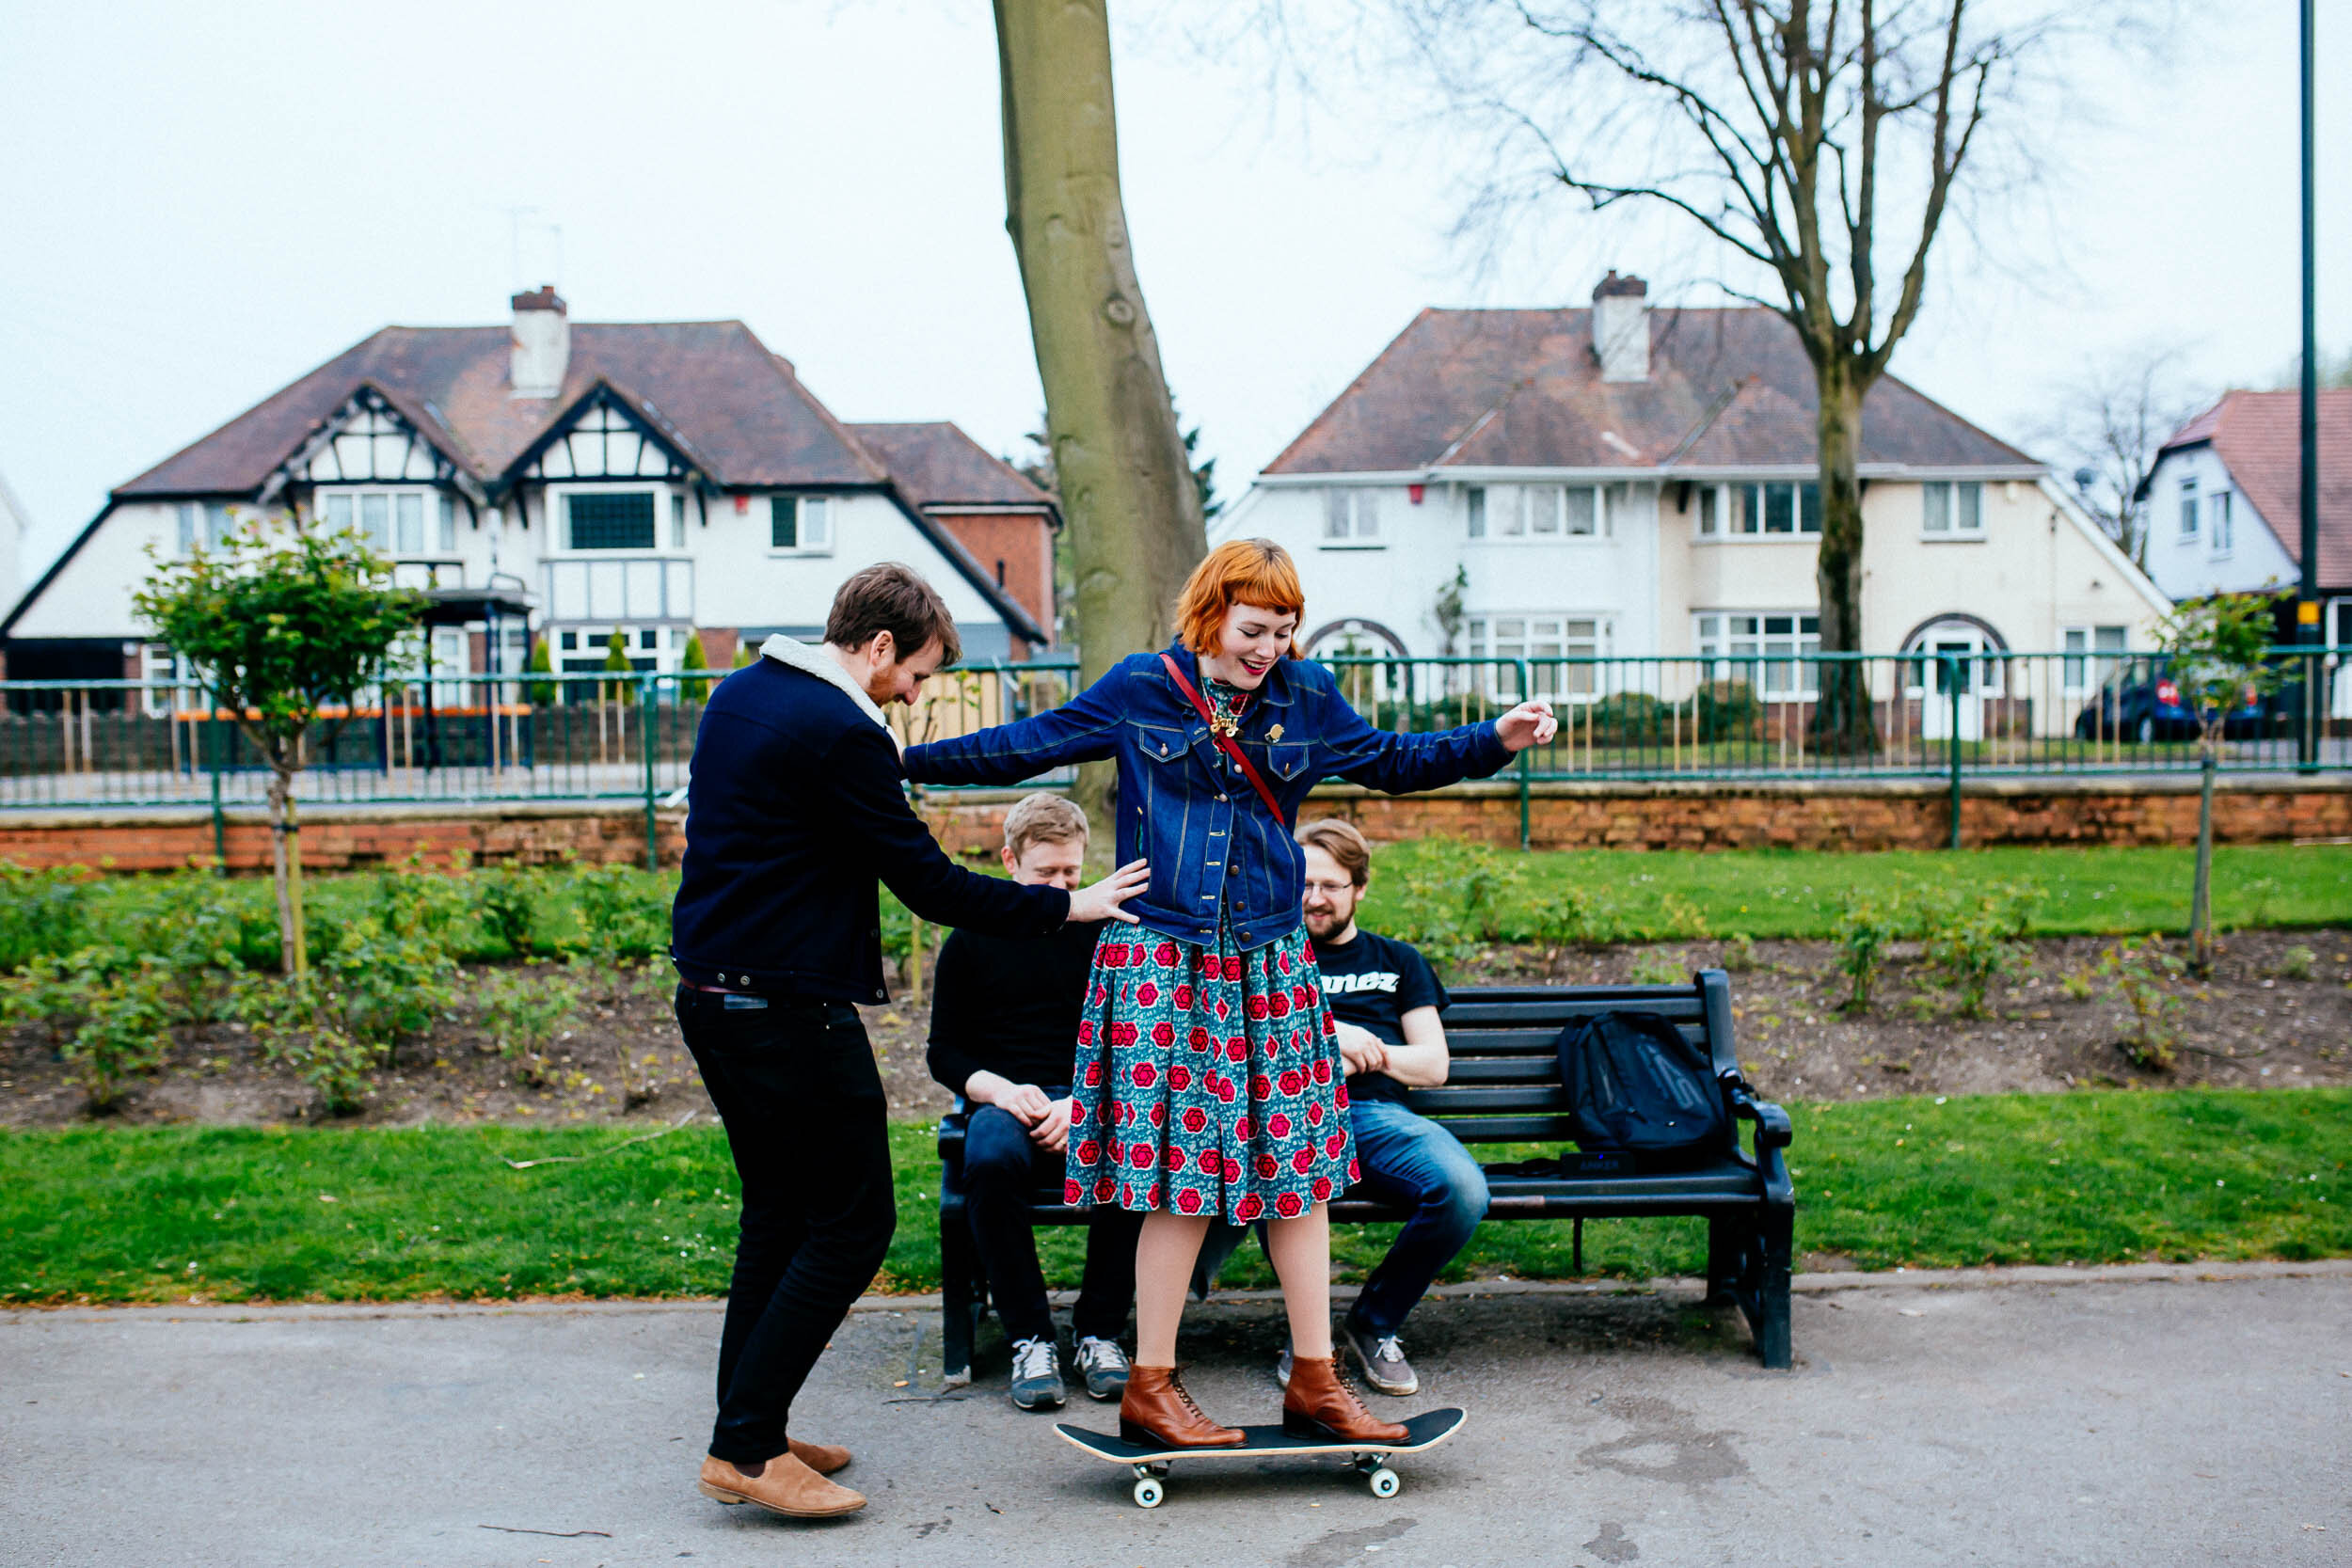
1319	1403
1157	1412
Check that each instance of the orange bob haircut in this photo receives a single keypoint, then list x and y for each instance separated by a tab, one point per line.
1255	572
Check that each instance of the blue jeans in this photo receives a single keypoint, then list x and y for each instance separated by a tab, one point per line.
1002	1168
1416	1164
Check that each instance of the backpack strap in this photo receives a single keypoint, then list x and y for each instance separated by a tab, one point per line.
1223	742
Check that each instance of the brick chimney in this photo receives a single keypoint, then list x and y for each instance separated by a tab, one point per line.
543	344
1621	327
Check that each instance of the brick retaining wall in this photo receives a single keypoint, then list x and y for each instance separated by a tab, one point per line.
1856	815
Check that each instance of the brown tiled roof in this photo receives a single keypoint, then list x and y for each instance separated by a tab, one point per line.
735	409
939	466
2258	436
1522	388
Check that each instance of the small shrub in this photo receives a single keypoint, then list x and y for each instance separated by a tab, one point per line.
1562	920
416	901
2143	976
1865	925
382	984
1486	883
2079	986
621	913
506	905
2295	963
522	1014
1971	943
125	1034
1739	954
42	913
1656	969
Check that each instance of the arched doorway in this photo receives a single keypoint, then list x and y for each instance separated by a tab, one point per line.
1953	670
1367	686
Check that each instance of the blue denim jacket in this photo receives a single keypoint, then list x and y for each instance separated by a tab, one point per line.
1187	808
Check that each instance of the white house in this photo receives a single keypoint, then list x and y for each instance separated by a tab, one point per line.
572	480
2224	501
1621	481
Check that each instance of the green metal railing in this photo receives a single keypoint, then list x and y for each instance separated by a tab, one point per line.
1742	714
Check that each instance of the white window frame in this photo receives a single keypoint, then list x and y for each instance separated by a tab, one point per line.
2187	508
209	522
1566	633
1754	653
1722	508
2092	655
1951	510
587	642
555	505
805	510
2220	517
436	517
1351	519
1546	513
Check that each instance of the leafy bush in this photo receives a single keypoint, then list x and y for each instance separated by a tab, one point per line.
42	913
2295	963
1656	969
522	1014
2145	977
1739	955
109	1018
621	913
1970	938
1865	924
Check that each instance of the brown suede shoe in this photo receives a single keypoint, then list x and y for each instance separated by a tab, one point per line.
1157	1412
785	1486
1319	1403
824	1458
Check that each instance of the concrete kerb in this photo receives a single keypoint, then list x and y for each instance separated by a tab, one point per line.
1827	1283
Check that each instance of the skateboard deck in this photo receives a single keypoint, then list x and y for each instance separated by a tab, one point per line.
1424	1431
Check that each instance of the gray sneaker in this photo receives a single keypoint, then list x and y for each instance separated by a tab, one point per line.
1037	1375
1104	1366
1383	1361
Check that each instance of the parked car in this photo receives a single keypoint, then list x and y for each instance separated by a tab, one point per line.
2144	705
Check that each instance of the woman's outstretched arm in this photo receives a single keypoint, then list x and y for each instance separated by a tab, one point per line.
1083	729
1401	764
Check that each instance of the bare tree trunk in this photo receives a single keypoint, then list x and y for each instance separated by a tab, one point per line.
2200	900
1842	724
1136	529
285	854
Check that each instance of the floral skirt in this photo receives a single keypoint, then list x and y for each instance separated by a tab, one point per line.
1208	1081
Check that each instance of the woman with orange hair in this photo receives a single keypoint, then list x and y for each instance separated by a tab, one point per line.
1208	1081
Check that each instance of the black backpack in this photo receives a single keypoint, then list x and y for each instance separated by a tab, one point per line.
1635	1083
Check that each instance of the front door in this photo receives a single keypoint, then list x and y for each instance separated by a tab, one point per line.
1949	654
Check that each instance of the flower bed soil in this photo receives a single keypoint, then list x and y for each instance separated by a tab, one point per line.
2250	1027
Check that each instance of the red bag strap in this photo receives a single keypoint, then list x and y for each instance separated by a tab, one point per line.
1224	743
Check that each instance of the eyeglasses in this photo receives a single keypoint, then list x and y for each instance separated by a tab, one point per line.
1330	889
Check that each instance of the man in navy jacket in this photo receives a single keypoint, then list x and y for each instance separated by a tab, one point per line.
793	812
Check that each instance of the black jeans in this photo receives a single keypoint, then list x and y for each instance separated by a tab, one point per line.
796	1084
1002	1166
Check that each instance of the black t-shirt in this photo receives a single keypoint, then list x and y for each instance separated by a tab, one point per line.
1009	1005
1374	982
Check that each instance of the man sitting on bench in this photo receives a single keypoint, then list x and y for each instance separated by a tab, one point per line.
1004	1034
1386	1001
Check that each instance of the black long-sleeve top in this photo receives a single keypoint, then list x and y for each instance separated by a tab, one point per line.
794	809
1010	1005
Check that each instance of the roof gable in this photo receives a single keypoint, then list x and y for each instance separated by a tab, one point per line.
939	467
1522	388
2257	438
710	389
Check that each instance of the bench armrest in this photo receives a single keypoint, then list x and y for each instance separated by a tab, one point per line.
1773	1127
951	1130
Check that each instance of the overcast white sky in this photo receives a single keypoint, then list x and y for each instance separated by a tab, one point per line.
203	201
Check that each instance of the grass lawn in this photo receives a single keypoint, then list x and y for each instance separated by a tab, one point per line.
108	1213
1672	894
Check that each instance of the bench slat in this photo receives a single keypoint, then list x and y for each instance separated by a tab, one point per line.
1501	1069
1534	1043
1452	1101
1471	1009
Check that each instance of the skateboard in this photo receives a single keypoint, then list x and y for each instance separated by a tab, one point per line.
1368	1460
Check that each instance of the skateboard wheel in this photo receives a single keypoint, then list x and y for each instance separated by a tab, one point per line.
1385	1482
1148	1492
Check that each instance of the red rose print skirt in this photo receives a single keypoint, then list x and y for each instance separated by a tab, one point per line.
1208	1081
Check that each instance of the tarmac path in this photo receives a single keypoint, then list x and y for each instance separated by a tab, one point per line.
2141	1417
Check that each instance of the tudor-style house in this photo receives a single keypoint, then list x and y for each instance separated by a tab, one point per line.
567	481
1623	481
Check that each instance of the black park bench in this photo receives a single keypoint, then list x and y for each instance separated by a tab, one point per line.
1504	1088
